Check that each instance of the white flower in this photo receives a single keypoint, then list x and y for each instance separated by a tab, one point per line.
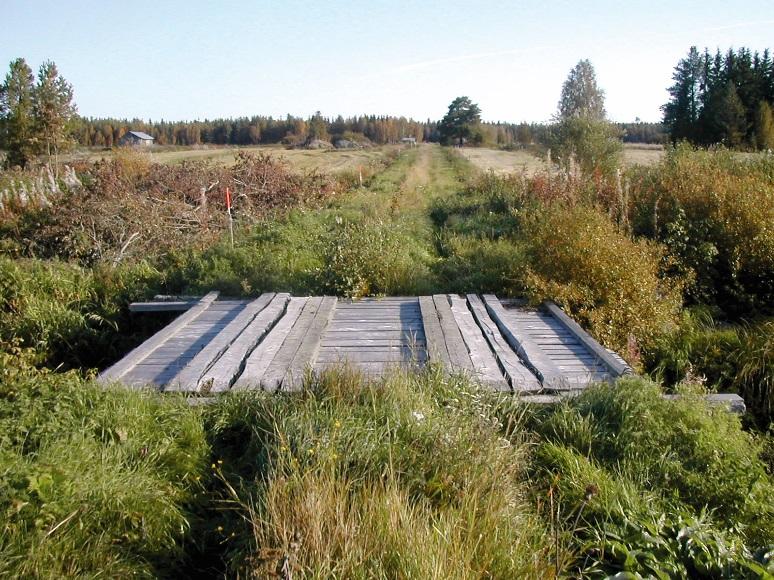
418	416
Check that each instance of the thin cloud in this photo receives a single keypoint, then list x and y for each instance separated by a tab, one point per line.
465	57
739	25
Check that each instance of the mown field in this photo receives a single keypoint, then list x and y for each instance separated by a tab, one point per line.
301	159
503	162
419	475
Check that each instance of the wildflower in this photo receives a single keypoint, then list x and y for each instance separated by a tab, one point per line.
418	416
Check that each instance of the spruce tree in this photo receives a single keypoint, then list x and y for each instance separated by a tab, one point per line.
681	113
764	127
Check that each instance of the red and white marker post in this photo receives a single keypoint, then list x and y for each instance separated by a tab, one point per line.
230	217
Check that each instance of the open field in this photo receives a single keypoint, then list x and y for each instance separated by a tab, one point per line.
502	162
300	159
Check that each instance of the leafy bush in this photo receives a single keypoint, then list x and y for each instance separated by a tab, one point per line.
372	257
609	282
594	144
714	211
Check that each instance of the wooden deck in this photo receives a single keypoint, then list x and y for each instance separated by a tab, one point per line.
274	341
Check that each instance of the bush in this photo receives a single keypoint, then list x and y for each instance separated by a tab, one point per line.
714	211
610	283
373	257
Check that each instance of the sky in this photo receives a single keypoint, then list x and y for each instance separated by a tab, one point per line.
185	60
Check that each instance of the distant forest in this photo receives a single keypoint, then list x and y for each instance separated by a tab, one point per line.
379	130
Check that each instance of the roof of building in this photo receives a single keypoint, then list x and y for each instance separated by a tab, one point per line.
140	135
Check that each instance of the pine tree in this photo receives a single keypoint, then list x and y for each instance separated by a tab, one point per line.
17	131
53	109
460	121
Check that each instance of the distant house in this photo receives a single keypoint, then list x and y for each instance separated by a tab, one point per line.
411	141
136	139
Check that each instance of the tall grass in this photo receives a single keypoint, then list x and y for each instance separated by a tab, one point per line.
92	482
655	487
404	478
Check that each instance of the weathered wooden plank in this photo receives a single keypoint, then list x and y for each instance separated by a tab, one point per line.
123	366
277	370
220	376
372	356
176	306
259	360
485	367
371	342
616	367
520	377
436	344
529	352
371	327
188	378
307	351
458	352
408	336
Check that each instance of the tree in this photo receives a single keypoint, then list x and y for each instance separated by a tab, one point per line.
16	114
764	126
318	127
681	113
458	124
582	133
53	109
581	97
723	118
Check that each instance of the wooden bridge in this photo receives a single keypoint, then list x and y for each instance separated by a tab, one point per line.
272	342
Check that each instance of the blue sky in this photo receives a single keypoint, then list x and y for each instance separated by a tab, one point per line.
195	59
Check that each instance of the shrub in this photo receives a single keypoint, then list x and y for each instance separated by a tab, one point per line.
371	257
609	282
714	211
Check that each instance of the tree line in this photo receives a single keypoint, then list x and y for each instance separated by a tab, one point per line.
722	99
